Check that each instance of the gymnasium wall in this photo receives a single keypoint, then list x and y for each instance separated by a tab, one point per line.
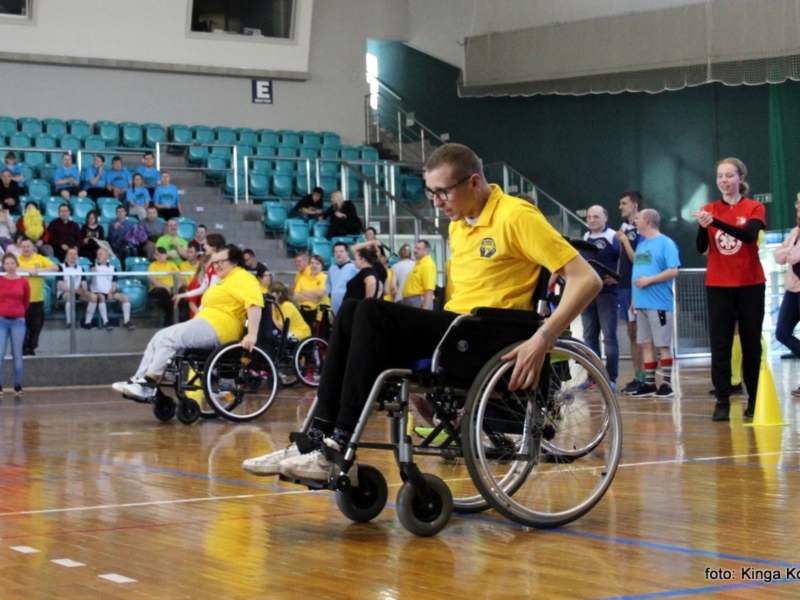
586	150
329	49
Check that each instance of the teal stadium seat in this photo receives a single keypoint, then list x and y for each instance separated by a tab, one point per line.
216	168
108	207
349	153
289	138
327	167
322	247
94	143
81	207
248	136
153	134
222	152
79	128
138	264
243	150
284	166
267	137
261	165
325	152
30	125
70	143
266	150
27	171
301	186
109	131
287	151
34	158
275	215
281	185
186	228
197	156
296	231
50	206
116	263
258	185
202	134
413	187
321	228
20	139
225	135
228	190
8	125
55	127
331	139
180	134
137	292
311	140
38	190
48	173
329	184
368	153
132	135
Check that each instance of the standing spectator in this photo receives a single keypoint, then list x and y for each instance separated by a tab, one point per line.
32	225
735	283
205	278
656	264
118	179
103	287
199	241
166	198
372	235
6	229
154	227
64	233
301	260
390	285
68	179
16	171
338	275
602	312
137	197
91	233
174	244
421	281
94	179
788	253
628	237
33	264
10	191
309	290
310	206
162	286
15	298
148	171
252	265
401	270
343	217
365	284
72	281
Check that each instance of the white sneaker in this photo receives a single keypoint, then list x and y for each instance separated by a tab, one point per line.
315	466
134	390
269	464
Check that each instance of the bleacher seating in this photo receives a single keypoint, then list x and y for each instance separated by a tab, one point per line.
267	137
275	215
180	134
49	205
30	125
186	228
225	135
109	131
281	184
94	142
228	190
137	292
320	229
81	207
248	136
153	133
258	185
131	133
297	234
55	127
79	128
331	139
322	247
38	190
202	134
108	208
216	168
7	126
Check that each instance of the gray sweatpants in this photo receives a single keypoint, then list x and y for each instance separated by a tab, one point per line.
196	333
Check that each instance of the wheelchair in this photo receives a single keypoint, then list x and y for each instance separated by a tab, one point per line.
542	457
234	383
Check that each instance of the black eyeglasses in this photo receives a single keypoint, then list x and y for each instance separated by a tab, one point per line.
218	263
442	193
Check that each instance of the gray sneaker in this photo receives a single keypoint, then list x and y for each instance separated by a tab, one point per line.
269	464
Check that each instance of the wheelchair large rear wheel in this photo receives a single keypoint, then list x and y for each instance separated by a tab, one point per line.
309	356
544	457
240	385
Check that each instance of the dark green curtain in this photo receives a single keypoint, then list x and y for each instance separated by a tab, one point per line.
784	154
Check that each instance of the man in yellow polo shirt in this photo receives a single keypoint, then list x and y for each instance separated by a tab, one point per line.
499	245
163	286
421	281
31	263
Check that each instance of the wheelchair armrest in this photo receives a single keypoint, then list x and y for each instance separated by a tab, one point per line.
506	314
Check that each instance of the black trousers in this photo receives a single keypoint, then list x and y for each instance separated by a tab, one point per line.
34	322
370	336
163	298
726	307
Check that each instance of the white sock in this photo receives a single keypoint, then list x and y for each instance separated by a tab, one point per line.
126	312
103	312
68	311
90	308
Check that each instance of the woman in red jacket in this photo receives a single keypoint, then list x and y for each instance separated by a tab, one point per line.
15	296
735	284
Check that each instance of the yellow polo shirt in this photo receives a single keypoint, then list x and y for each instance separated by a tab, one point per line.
497	261
306	282
37	261
421	279
297	324
187	267
225	304
170	266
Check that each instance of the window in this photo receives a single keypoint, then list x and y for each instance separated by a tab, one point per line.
265	18
15	9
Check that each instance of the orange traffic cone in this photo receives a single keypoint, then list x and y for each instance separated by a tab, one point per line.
768	407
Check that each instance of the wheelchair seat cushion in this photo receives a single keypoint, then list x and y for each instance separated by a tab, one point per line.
194	353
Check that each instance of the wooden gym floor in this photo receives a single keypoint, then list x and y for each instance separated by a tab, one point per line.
98	499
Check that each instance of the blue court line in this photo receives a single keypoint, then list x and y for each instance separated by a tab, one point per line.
702	590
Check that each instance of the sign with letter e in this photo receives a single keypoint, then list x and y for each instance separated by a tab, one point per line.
262	91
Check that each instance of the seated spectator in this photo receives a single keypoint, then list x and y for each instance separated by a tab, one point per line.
103	287
137	197
365	284
121	237
162	286
6	229
149	173
33	264
206	275
199	240
175	245
32	225
343	217
64	233
94	179
154	227
118	179
372	235
71	283
10	191
91	233
226	307
252	265
16	171
309	290
298	328
189	266
166	198
15	247
310	206
68	179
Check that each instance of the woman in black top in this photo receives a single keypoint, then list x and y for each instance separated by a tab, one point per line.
90	233
366	283
343	217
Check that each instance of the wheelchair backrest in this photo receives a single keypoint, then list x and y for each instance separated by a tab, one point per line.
270	339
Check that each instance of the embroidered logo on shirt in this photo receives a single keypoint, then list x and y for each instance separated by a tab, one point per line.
727	244
488	248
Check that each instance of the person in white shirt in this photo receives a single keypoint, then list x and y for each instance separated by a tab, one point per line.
103	287
74	272
401	270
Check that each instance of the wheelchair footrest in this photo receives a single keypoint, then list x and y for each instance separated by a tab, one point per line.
150	400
